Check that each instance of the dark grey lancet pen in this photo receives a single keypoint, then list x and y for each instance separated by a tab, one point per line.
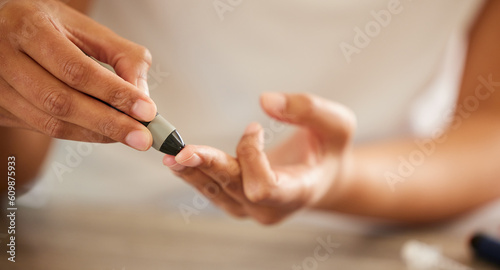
166	139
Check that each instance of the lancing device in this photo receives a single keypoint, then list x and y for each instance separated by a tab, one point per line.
166	139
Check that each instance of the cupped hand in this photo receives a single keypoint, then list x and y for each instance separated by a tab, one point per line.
48	84
270	186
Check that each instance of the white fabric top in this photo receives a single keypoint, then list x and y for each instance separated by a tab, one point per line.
391	61
377	57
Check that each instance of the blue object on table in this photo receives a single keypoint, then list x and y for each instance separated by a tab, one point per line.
486	247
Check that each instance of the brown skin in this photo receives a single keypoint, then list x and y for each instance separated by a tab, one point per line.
81	5
29	149
462	174
45	97
52	87
319	168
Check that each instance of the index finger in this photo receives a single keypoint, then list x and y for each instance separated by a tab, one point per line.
221	167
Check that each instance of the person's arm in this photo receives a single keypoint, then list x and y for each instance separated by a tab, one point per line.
318	168
28	150
457	174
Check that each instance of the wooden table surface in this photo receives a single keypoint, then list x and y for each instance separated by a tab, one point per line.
67	237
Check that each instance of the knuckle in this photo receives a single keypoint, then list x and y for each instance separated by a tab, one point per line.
16	18
22	22
246	150
120	99
75	73
138	54
144	54
249	154
234	170
227	181
109	128
208	163
90	136
210	190
15	10
56	103
53	127
305	106
233	187
259	195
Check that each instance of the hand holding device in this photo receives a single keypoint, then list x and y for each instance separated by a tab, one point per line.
47	82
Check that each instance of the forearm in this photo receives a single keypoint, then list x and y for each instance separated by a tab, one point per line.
460	173
29	149
400	181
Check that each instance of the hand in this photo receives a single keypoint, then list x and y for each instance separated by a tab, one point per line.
48	84
298	173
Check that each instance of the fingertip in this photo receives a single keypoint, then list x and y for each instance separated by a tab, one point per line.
252	128
144	109
253	135
273	103
249	150
188	157
139	139
170	162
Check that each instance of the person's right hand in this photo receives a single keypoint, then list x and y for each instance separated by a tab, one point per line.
48	84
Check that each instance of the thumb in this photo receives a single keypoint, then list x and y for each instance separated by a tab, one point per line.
327	118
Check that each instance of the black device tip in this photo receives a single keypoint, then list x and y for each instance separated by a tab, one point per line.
173	144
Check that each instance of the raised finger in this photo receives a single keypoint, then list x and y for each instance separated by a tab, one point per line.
260	182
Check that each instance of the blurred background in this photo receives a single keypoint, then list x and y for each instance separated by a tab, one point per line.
109	207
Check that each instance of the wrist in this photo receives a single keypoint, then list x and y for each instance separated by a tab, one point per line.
336	193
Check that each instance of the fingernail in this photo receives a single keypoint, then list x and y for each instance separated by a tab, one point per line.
142	84
256	128
188	159
144	110
139	140
252	128
274	101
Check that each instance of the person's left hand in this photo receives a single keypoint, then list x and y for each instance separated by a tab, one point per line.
296	174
